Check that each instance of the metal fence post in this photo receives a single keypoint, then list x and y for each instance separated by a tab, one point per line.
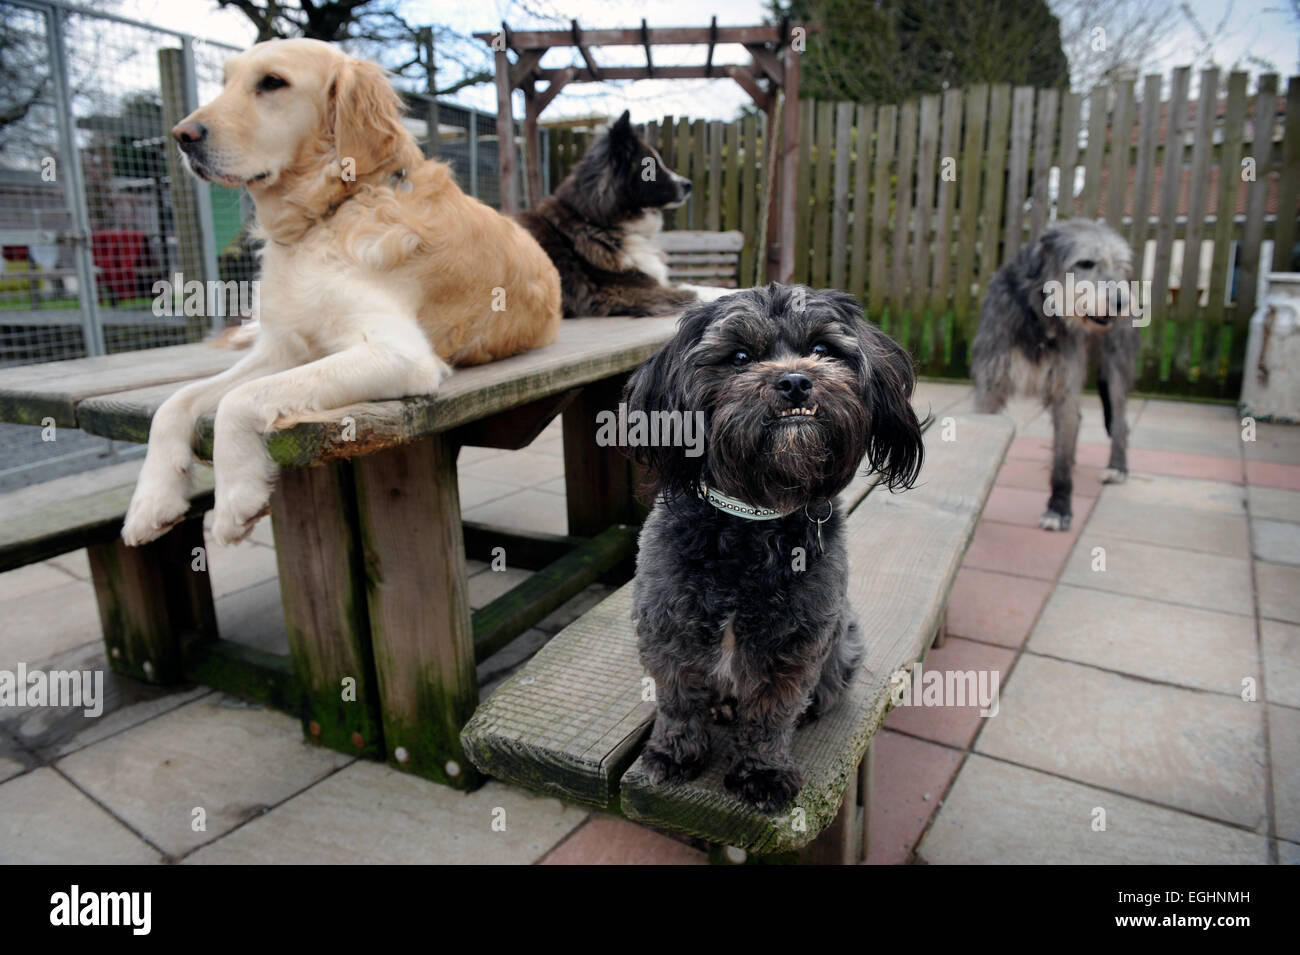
74	187
203	192
473	152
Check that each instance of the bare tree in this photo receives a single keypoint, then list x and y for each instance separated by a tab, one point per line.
1106	40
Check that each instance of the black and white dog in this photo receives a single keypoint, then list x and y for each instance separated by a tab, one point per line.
796	390
600	224
1063	296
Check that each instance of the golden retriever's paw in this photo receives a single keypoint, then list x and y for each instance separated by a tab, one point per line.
238	512
152	513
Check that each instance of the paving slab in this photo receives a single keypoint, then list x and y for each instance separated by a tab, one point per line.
231	759
491	584
1001	814
239	566
1190	750
1279	591
609	840
1276	541
911	776
368	813
949	724
13	760
1200	649
1288	853
475	490
1225	467
1011	505
255	617
1269	474
1150	490
1209	581
1274	503
43	625
32	579
1186	528
45	820
1020	551
1281	646
1284	744
51	732
520	468
528	510
1036	475
1221	439
1278	443
994	608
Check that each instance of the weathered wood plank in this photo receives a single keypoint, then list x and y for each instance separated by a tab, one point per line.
587	350
685	240
1187	308
1022	127
1224	213
151	596
31	534
749	200
861	202
941	272
977	102
881	168
599	481
322	588
1071	107
731	180
920	257
1288	183
899	603
30	393
839	238
699	174
821	223
1121	137
897	290
1144	172
418	607
1090	200
990	258
713	220
1256	204
1171	173
1044	138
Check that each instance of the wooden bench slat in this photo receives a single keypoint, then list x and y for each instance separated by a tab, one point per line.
53	389
31	533
904	550
687	240
588	350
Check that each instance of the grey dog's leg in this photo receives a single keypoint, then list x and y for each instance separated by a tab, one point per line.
764	773
1114	377
837	671
678	749
1065	437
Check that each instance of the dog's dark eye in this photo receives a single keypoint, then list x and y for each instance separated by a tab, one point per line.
740	358
820	350
1084	264
269	83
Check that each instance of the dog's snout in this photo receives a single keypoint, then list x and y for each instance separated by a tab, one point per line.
794	387
189	133
685	185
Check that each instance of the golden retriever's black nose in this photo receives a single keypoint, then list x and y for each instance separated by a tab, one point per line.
189	133
794	387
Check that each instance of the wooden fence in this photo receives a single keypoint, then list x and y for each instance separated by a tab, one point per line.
912	207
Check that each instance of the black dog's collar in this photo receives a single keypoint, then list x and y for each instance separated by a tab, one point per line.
738	508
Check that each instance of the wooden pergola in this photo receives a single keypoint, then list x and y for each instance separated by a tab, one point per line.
771	79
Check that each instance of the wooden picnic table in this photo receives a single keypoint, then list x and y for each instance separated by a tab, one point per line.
369	538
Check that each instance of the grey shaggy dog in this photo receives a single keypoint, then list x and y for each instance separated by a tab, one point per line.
1022	348
797	389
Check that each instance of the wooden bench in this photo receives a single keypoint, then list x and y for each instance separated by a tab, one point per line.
703	258
369	538
572	721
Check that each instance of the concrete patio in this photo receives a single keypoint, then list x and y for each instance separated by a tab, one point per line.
1124	649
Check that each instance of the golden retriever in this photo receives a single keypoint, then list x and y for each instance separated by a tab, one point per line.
378	273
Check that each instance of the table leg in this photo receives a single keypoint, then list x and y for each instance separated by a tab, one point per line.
599	482
149	596
322	586
418	603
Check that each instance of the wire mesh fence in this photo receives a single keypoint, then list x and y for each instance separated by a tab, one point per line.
103	233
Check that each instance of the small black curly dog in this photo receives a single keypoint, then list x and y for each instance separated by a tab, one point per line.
740	594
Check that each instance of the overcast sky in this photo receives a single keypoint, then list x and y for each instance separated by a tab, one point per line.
1262	28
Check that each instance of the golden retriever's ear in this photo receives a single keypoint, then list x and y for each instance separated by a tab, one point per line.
367	116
